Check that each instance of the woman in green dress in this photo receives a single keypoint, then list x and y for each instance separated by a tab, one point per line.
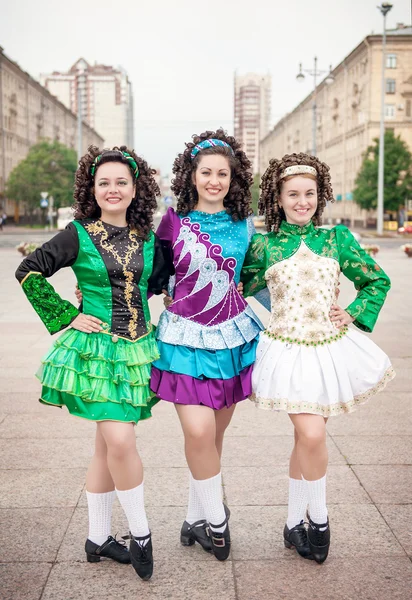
100	367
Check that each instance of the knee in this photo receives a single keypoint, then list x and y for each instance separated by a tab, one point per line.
119	447
313	439
199	437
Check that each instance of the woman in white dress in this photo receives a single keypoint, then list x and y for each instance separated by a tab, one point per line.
308	361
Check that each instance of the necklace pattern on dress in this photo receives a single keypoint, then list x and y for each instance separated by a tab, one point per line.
98	230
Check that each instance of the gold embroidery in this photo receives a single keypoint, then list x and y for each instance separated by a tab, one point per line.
315	408
98	229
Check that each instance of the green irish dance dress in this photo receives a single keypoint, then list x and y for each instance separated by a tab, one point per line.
98	376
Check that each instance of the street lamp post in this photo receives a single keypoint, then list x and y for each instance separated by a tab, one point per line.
315	72
385	7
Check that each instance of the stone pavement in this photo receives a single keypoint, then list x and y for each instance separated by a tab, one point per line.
44	453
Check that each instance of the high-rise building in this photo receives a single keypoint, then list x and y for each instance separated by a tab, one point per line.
28	114
106	99
348	117
252	98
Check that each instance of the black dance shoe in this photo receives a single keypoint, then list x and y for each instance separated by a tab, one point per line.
141	555
220	541
297	538
111	548
197	532
319	541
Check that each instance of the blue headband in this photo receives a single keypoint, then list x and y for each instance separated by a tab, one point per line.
211	143
131	160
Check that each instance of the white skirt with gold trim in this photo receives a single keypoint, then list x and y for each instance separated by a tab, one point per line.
326	380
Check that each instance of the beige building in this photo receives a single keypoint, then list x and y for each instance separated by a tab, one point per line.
349	116
107	99
29	113
252	97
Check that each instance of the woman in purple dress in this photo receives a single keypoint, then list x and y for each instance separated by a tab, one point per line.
207	336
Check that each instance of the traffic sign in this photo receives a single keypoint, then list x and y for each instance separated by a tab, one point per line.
44	203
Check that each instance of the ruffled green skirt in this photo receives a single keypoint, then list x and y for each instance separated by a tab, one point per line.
99	379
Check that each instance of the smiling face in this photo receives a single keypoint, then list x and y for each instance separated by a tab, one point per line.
212	181
114	190
299	199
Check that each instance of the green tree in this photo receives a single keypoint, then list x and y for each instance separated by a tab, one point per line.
397	175
255	193
48	167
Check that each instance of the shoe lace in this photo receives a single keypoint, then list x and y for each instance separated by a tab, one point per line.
301	533
317	536
120	542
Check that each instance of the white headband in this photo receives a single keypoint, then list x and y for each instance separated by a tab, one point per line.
298	170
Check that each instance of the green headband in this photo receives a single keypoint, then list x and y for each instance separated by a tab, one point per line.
131	160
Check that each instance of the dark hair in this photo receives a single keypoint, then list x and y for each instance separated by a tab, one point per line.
238	199
271	186
140	212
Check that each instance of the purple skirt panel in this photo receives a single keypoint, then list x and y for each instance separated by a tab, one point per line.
214	393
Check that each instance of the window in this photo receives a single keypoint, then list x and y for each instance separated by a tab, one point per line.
390	86
391	61
390	111
408	108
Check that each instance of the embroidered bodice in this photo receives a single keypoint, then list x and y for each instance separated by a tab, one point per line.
115	269
207	252
301	266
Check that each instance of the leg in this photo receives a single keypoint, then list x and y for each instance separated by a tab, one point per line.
199	428
98	478
100	493
312	455
311	451
100	496
222	418
126	470
298	498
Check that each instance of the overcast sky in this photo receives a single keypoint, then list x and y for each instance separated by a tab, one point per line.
181	55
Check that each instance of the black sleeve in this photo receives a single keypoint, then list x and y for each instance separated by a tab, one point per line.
162	267
59	252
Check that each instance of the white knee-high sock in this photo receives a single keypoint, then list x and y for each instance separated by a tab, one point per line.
210	494
132	502
297	503
195	510
317	500
100	515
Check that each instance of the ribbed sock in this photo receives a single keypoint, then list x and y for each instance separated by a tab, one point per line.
297	503
210	494
317	500
100	515
132	502
195	510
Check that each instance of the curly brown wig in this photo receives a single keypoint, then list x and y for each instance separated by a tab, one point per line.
238	200
140	212
271	186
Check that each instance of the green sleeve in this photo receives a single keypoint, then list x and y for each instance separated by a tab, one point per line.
370	280
55	312
59	252
254	266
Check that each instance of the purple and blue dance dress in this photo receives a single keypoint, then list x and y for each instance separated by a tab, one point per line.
207	337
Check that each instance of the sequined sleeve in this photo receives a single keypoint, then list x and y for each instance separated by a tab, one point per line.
61	251
370	280
254	267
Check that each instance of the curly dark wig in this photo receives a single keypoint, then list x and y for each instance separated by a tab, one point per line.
238	199
140	212
271	186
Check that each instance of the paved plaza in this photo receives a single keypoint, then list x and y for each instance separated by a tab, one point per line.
44	453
